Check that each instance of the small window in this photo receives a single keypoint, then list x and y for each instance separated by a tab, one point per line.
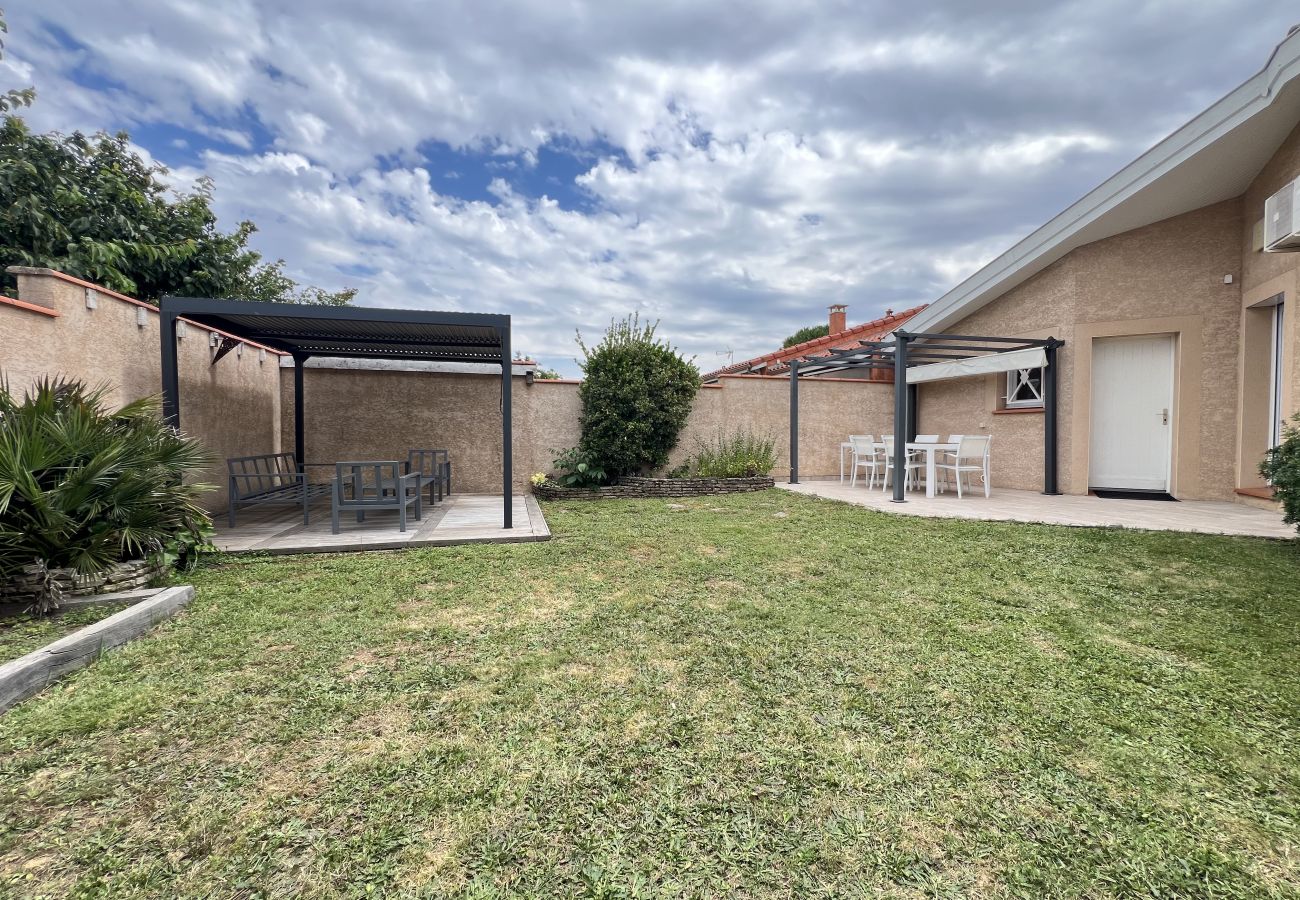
1024	388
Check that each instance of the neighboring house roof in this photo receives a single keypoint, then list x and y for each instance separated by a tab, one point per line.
1212	158
777	363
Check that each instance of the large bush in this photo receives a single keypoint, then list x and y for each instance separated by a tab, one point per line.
636	394
1281	466
82	487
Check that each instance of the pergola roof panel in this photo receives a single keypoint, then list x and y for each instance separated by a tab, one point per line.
354	331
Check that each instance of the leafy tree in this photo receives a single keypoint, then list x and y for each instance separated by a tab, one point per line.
636	395
812	332
13	99
93	208
1281	466
546	374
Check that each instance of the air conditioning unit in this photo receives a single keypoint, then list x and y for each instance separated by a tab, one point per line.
1282	220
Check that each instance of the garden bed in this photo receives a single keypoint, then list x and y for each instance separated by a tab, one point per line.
122	576
638	488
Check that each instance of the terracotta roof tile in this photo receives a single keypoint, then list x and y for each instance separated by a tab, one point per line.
775	363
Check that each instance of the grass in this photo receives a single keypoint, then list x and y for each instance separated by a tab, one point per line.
24	633
758	695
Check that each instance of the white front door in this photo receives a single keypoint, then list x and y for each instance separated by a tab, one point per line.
1132	412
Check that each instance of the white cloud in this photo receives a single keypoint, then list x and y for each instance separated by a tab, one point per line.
772	161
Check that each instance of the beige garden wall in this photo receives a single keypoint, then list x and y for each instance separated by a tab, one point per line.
351	414
1165	278
243	404
233	406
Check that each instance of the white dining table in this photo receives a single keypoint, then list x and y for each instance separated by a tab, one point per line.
931	451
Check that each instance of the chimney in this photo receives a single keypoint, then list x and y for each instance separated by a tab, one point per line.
838	318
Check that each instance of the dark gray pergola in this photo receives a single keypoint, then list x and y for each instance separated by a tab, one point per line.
354	332
907	350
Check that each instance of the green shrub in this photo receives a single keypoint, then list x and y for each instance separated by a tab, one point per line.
636	394
1281	466
576	471
82	487
739	455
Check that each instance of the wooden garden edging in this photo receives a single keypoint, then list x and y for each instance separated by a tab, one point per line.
28	675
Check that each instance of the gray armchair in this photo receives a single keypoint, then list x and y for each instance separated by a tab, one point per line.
370	485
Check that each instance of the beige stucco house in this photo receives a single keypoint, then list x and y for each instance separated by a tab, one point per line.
1181	330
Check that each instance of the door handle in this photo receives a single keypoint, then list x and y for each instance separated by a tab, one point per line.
1164	417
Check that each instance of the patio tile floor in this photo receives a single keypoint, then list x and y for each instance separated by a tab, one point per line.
1208	517
460	519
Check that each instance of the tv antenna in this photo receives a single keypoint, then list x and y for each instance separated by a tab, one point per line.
728	353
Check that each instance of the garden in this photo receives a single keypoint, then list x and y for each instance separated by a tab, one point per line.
761	694
753	693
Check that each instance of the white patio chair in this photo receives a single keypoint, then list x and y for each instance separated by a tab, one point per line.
947	456
910	465
865	457
972	456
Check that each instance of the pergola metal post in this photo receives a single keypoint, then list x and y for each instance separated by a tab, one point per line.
913	410
299	428
900	416
507	466
794	422
171	382
1049	420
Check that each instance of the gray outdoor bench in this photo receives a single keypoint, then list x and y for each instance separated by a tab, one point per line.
270	478
371	485
434	469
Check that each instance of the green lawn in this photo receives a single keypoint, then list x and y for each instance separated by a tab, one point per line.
713	701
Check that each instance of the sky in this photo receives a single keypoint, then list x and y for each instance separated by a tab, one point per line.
728	169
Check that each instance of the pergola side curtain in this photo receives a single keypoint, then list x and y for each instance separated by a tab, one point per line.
923	357
1030	358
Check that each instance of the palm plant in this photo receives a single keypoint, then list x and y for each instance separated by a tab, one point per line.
83	487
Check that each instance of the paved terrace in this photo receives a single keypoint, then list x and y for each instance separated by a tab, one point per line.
1067	509
459	519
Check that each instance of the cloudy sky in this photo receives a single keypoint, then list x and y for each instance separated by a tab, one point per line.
728	168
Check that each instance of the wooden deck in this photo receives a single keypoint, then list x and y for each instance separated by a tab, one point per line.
460	519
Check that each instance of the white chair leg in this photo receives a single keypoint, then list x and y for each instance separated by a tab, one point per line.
987	485
958	476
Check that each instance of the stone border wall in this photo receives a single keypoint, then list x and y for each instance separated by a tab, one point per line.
636	488
122	576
